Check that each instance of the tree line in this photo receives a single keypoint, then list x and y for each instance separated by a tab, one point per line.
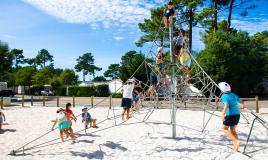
229	54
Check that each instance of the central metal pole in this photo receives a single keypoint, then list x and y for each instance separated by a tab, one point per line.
172	87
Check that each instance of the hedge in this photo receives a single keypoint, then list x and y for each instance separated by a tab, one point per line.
61	91
117	95
98	91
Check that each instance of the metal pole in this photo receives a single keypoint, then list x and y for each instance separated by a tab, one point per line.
58	101
2	103
22	101
110	105
92	101
257	104
252	125
173	105
31	100
73	101
44	102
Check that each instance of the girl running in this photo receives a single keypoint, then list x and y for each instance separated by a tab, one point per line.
230	113
64	125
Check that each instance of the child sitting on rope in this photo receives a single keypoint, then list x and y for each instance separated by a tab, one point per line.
2	119
64	125
230	113
88	119
168	15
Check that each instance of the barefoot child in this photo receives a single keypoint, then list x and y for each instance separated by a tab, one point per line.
87	118
2	119
230	113
64	125
168	15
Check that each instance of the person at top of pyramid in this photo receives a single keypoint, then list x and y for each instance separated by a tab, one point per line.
168	14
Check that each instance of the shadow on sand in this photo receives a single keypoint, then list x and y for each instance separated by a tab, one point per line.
7	130
113	145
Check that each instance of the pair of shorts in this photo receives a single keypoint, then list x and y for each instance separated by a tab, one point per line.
126	103
231	120
1	119
177	49
64	125
137	98
153	79
88	120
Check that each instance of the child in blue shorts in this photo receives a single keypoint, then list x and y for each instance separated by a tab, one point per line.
88	119
230	113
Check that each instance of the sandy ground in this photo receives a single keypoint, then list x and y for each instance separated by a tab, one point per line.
133	139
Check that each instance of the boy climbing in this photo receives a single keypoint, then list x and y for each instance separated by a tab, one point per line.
230	113
168	15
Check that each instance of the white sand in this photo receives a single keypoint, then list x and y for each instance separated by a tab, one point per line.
130	140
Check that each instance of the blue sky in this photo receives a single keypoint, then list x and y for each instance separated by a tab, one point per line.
106	28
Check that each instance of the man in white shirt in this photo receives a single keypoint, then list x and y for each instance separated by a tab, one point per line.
127	97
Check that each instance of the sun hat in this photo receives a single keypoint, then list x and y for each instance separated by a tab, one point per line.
130	81
224	87
84	108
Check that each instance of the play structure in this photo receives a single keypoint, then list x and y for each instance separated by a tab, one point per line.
181	82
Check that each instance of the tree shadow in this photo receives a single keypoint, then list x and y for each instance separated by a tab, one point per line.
7	130
113	145
94	155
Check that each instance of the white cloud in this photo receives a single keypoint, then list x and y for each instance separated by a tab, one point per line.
8	36
97	12
118	38
251	26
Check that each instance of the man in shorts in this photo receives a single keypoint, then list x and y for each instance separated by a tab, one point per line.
127	98
230	113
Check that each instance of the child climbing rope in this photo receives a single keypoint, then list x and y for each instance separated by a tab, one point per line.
2	119
64	125
168	15
230	113
88	119
137	95
155	75
179	44
185	61
160	56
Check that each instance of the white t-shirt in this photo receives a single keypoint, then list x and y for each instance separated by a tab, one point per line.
128	90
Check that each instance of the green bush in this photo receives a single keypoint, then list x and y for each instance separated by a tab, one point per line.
82	91
72	90
61	91
117	95
102	90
